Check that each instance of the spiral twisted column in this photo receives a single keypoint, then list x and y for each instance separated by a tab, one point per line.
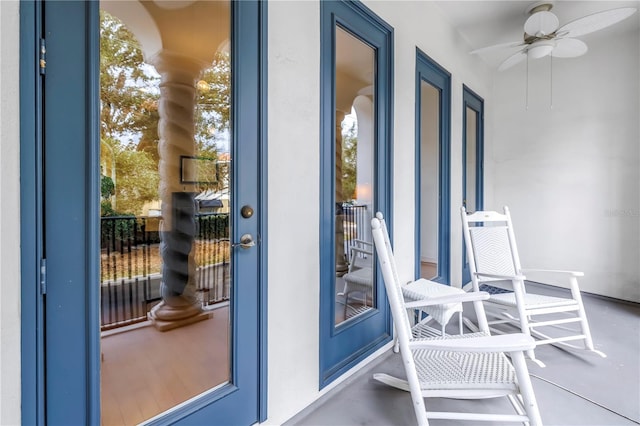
176	128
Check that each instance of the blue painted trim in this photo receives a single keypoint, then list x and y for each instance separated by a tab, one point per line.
430	71
343	347
31	306
182	414
70	149
472	100
93	212
263	198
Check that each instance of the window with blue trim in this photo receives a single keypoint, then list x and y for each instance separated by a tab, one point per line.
356	88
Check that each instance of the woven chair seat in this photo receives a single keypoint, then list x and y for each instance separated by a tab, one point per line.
445	370
440	370
363	278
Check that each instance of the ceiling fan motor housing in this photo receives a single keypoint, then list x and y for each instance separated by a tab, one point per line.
541	23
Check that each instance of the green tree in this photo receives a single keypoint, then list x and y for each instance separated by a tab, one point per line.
129	103
107	187
349	161
129	97
214	102
128	88
212	122
136	180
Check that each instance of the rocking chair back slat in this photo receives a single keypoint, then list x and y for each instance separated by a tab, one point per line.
492	250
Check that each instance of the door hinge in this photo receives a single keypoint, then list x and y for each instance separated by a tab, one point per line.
43	276
43	56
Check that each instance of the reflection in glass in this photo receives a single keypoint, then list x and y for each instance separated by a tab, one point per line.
354	174
165	169
471	161
429	179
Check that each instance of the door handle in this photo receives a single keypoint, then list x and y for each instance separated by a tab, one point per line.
246	241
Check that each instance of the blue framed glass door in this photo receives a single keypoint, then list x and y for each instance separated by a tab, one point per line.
472	166
356	117
433	122
73	243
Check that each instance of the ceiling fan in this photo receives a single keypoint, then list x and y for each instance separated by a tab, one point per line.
544	36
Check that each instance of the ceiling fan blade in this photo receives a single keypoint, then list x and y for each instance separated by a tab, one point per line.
594	22
497	46
541	24
512	60
569	48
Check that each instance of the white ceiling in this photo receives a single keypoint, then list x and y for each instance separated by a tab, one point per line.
484	23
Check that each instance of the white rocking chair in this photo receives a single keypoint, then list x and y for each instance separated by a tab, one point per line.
469	366
422	289
359	277
494	261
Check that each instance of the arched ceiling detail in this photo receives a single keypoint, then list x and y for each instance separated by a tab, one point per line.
193	29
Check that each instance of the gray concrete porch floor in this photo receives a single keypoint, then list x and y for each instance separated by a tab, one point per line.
575	387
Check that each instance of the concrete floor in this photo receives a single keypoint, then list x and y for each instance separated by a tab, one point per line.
575	388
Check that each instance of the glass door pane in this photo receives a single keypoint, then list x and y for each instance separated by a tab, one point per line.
471	159
429	179
473	139
166	264
354	174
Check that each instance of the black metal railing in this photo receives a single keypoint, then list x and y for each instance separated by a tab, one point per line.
354	223
130	265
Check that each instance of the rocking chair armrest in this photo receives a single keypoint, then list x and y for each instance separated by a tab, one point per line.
451	298
500	277
361	250
515	342
554	271
363	242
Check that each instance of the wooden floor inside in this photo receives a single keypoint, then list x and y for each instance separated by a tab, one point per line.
146	372
428	270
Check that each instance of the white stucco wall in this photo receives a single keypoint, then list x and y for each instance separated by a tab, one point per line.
570	174
9	216
294	110
422	24
294	120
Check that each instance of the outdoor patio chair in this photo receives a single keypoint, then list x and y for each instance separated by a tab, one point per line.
421	289
494	263
359	277
468	366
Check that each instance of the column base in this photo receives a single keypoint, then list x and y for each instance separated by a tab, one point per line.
165	318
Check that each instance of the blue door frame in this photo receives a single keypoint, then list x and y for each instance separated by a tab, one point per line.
473	101
32	308
429	71
59	220
343	346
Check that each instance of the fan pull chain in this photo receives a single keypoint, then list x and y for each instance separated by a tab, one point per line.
551	83
526	89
